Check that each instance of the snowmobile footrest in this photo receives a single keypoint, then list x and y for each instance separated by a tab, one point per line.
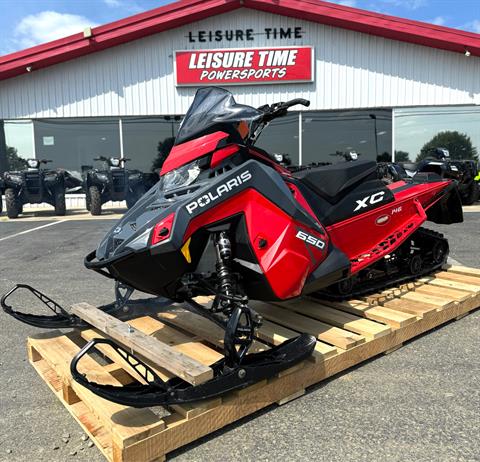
254	368
60	319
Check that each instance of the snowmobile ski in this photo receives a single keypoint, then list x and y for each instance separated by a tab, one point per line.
255	367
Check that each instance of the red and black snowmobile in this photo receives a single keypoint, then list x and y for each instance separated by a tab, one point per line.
226	220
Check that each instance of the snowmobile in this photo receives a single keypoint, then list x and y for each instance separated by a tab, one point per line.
34	186
227	221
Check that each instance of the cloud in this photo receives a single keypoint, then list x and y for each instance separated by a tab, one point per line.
438	21
127	5
351	3
408	4
473	26
48	25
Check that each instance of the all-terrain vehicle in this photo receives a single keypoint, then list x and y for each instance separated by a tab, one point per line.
112	183
468	185
439	162
227	221
34	186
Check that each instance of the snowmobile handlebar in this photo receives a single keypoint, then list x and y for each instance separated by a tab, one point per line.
271	112
280	109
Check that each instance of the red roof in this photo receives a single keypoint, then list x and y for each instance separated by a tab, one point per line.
187	11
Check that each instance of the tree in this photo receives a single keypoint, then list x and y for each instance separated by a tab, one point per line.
458	144
14	161
164	148
402	156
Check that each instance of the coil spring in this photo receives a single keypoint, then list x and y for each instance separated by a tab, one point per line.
225	281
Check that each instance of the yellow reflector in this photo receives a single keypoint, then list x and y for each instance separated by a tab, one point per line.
186	250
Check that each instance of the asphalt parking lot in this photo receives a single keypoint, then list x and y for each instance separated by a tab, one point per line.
419	403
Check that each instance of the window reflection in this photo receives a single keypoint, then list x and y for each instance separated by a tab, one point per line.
281	137
73	143
456	128
19	143
367	132
147	141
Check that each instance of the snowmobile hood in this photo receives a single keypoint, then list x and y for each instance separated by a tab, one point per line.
134	231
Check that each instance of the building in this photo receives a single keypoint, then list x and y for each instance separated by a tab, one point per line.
377	84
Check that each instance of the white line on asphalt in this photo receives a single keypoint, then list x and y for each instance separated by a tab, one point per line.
31	230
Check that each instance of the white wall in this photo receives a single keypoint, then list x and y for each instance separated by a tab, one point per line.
353	70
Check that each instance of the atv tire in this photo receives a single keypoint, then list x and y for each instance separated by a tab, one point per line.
471	195
14	207
95	200
60	207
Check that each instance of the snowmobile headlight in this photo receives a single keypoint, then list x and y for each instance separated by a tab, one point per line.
182	176
114	161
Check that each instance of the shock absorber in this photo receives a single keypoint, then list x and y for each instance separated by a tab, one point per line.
224	277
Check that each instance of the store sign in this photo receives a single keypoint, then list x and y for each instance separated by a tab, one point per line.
244	66
239	35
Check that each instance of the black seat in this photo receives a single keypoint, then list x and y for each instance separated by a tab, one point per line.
334	181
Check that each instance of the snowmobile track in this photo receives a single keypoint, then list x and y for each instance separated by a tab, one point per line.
348	333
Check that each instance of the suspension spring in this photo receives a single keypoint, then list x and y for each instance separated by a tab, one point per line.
225	280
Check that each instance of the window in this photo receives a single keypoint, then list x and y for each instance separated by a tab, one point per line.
281	137
19	141
73	143
418	130
367	132
142	136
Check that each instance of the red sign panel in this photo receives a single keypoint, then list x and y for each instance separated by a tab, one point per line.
233	66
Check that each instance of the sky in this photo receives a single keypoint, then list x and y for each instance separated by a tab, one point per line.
24	23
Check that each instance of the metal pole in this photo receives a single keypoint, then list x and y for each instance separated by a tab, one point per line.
3	149
300	139
393	135
374	117
120	130
34	148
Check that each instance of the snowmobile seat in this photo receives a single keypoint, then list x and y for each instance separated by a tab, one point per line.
333	182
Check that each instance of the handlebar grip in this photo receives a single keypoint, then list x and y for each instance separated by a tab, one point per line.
294	102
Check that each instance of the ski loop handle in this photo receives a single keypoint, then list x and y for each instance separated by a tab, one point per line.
60	319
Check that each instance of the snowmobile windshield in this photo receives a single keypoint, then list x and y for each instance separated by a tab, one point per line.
214	106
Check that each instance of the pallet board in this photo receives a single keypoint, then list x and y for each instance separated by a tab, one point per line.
348	333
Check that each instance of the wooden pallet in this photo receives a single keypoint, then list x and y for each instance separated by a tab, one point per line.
348	333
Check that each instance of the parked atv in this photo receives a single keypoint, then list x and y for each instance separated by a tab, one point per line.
34	186
468	185
227	221
439	162
113	183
